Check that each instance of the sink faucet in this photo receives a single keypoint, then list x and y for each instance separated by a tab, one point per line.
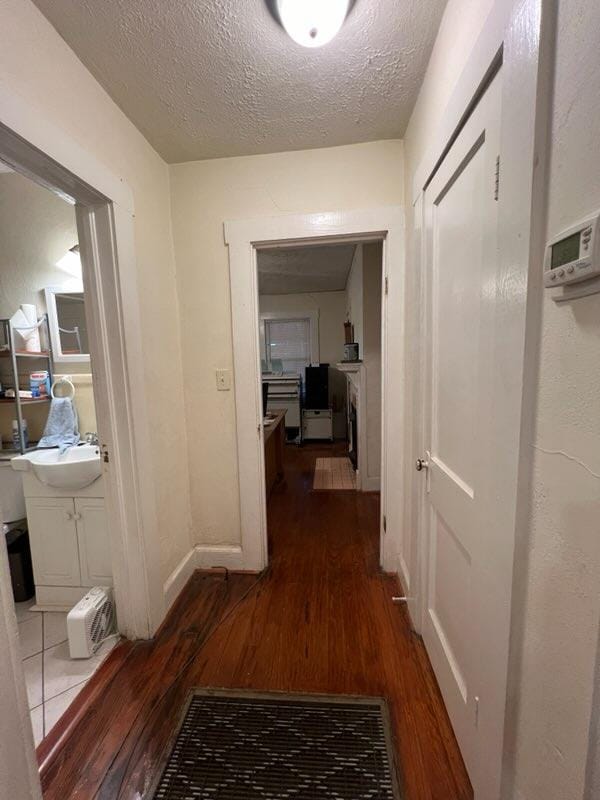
91	438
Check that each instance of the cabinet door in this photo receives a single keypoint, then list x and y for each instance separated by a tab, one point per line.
92	533
53	538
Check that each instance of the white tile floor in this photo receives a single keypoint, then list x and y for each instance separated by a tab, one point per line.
53	678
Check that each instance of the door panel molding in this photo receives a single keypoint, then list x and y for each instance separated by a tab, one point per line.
447	473
523	39
459	679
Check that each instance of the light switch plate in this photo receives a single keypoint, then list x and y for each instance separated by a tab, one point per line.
223	380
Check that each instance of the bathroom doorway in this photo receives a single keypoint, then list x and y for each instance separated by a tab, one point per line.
101	227
55	524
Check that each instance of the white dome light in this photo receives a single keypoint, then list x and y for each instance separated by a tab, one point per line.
312	23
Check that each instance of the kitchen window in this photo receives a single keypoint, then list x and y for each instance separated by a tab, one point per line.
289	342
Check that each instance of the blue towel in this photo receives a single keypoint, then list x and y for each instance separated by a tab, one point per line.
62	428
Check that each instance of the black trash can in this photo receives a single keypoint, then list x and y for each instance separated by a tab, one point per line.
19	561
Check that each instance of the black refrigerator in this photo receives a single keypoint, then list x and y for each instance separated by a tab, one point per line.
316	387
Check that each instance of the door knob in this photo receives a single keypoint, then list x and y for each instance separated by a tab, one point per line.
421	463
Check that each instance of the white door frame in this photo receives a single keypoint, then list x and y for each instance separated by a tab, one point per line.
243	238
515	39
106	237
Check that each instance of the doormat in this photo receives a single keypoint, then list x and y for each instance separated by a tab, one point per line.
242	746
334	474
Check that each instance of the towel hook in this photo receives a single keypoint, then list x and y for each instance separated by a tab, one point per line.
60	381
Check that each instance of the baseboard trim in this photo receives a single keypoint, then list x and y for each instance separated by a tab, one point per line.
202	556
58	598
208	556
178	578
411	603
370	484
403	574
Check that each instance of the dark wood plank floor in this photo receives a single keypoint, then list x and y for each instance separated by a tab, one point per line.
319	620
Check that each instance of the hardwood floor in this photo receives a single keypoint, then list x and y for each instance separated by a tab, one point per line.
320	619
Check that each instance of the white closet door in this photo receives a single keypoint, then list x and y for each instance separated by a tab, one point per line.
462	608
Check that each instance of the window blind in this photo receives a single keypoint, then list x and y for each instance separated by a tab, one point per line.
288	341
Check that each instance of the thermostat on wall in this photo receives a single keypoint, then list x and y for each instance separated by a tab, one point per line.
574	255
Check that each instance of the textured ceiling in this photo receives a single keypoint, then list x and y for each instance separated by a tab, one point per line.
320	268
211	78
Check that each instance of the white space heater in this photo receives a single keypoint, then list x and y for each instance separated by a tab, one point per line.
90	622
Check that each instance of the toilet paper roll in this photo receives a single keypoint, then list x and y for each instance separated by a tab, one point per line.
32	337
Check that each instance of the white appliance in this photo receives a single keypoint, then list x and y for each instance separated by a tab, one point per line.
317	423
90	622
285	391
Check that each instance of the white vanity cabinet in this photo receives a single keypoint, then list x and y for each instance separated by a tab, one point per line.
69	542
53	541
92	538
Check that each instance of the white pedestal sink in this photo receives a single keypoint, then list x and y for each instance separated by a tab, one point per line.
74	469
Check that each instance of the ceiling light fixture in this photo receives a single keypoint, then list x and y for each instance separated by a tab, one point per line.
312	23
71	262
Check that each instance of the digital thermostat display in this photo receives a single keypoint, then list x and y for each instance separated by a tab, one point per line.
573	255
565	251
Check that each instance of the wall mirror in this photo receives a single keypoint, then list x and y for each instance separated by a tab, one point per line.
67	324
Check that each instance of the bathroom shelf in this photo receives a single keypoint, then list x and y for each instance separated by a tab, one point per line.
25	401
14	355
25	354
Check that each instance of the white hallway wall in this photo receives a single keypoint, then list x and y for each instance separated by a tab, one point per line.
363	309
354	298
38	66
204	194
556	646
371	353
558	572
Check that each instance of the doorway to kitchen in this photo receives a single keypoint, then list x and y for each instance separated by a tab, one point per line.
260	339
320	329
